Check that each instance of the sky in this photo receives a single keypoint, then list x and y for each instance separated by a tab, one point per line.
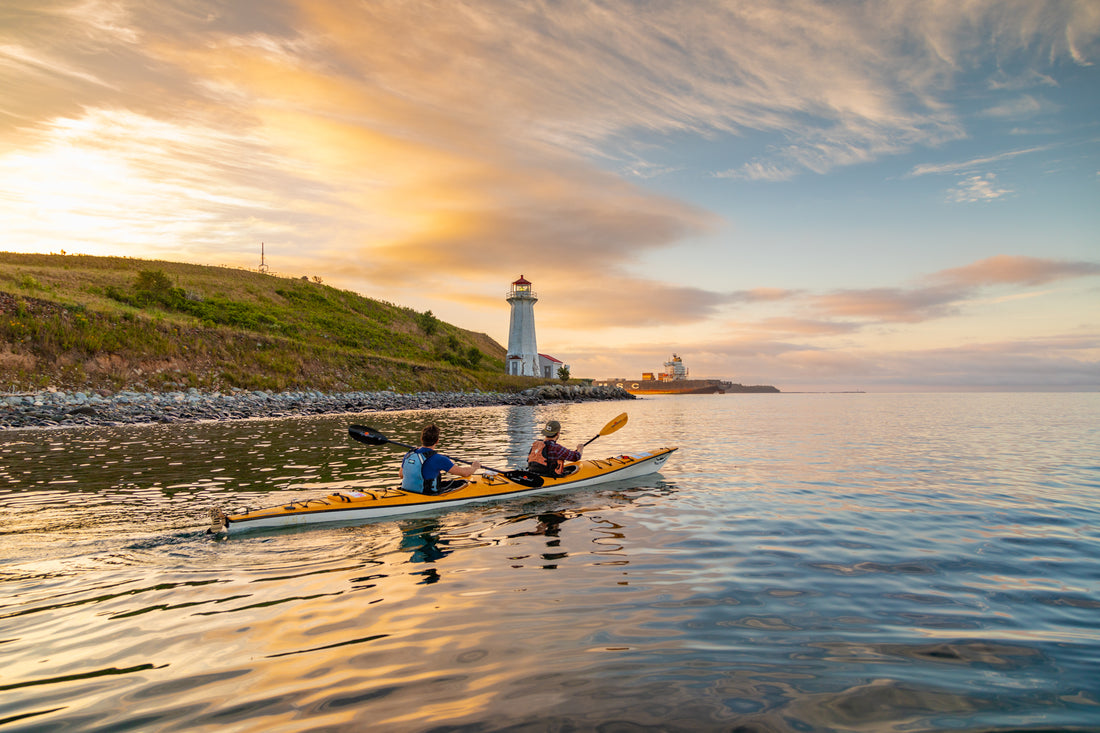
814	194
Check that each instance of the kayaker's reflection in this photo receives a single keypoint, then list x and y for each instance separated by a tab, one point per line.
423	540
548	525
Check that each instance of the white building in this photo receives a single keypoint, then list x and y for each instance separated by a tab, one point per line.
523	352
548	366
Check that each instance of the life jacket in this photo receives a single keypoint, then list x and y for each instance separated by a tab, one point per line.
539	461
412	472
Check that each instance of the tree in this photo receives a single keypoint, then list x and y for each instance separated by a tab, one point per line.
428	322
563	372
156	282
154	286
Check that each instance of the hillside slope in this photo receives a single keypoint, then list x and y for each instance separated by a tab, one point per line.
110	323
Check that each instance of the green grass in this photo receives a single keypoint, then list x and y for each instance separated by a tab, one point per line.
83	322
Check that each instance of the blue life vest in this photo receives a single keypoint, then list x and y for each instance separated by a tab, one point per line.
412	472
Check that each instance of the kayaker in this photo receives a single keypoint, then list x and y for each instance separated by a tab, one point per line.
547	456
422	469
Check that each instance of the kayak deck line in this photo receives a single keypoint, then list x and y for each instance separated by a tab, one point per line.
349	505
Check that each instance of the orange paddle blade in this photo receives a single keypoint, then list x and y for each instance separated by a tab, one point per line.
614	425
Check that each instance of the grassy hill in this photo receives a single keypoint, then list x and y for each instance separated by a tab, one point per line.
82	322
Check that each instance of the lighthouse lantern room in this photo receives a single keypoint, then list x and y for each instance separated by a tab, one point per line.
523	353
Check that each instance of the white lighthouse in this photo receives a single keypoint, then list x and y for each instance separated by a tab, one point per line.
523	353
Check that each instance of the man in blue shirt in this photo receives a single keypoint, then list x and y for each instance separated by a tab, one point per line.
422	469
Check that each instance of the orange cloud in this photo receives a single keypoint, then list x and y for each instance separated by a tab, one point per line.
761	295
1015	270
950	289
784	327
891	304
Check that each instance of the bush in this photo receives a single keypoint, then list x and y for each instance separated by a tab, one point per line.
154	282
427	322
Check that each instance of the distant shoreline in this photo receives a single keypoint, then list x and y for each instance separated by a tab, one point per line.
59	409
831	391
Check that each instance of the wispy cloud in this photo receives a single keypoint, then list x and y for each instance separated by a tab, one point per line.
976	189
891	304
782	328
1019	108
1015	270
34	63
974	163
944	293
762	295
1056	362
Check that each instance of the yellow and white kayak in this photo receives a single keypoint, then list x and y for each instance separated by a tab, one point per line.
350	505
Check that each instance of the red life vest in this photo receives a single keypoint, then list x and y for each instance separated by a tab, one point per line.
538	461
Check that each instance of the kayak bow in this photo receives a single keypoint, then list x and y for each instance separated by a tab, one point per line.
351	505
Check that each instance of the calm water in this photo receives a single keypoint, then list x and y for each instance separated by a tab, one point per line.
802	563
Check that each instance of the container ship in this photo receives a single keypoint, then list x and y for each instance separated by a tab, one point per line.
674	380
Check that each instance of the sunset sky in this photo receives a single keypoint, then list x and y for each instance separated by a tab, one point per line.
812	194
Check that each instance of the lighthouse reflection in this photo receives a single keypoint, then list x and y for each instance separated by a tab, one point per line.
519	427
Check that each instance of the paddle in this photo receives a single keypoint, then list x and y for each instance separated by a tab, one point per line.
370	436
610	427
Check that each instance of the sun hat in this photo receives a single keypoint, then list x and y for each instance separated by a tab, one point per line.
552	428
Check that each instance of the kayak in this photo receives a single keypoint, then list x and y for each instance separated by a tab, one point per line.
350	505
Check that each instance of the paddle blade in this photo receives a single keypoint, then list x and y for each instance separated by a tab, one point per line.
614	425
611	427
370	436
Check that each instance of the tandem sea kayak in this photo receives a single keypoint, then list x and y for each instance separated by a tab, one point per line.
350	505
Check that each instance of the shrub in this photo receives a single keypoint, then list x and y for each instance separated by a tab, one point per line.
427	322
154	282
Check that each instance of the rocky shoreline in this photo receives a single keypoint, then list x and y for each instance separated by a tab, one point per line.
70	409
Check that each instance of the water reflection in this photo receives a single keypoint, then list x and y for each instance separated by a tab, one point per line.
431	540
803	563
547	524
425	542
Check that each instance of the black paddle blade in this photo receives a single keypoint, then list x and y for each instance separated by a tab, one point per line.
524	478
370	436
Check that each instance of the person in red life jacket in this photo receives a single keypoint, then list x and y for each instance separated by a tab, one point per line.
422	469
547	456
